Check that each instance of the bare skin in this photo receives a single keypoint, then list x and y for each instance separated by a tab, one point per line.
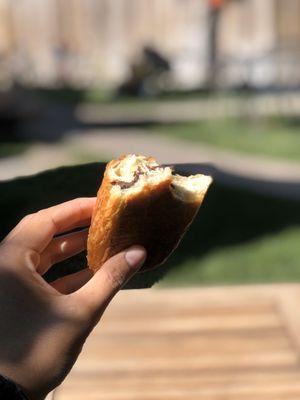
44	326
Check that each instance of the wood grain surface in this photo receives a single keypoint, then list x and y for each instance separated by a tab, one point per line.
227	343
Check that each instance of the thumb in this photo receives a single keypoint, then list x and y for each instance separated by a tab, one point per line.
98	291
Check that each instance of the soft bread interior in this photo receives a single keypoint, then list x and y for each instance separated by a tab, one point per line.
190	189
126	169
132	172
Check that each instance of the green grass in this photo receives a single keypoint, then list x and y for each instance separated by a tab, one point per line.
72	96
100	95
12	149
273	258
81	156
270	137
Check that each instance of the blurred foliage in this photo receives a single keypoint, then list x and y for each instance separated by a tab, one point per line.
238	236
83	156
147	75
99	95
275	137
70	95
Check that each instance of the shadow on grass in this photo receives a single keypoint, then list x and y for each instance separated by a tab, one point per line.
229	215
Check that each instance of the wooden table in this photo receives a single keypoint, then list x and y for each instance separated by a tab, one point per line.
234	343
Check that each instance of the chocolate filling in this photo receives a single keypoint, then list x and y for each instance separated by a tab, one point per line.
137	174
127	185
153	167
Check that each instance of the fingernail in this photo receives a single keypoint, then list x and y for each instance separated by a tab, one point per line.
135	256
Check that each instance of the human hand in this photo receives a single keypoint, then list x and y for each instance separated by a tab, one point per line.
44	326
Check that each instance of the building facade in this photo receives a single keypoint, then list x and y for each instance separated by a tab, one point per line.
94	42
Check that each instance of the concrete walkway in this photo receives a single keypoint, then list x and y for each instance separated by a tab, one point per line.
96	145
173	150
141	112
37	158
258	173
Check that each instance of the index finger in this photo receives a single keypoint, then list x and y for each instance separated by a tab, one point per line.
35	231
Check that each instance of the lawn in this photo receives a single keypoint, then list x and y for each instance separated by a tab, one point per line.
274	257
9	149
270	137
238	236
273	137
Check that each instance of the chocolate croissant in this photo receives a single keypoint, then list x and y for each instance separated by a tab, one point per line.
141	202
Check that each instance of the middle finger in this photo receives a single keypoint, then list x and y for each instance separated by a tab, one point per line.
61	248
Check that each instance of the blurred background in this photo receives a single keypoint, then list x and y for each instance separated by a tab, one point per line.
210	86
209	82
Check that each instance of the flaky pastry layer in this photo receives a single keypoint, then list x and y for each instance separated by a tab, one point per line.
141	202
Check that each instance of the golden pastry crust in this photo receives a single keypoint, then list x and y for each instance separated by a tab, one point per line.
152	217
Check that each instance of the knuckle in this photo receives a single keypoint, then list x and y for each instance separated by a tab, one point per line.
27	218
42	213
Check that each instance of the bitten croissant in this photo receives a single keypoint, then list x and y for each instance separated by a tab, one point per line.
141	202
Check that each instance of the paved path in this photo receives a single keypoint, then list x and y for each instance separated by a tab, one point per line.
284	104
260	173
173	150
36	159
199	344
